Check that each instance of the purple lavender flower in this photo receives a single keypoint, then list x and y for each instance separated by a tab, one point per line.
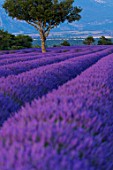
68	129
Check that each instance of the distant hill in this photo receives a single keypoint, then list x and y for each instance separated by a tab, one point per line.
13	25
97	15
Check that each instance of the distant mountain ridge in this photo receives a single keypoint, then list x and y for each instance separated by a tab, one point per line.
97	15
12	25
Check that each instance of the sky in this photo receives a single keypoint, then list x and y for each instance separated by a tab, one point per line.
97	15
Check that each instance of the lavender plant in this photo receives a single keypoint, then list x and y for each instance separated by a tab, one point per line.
18	66
71	128
33	84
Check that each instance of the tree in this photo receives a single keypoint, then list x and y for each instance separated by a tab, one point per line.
9	41
104	41
44	15
23	40
5	39
89	40
65	43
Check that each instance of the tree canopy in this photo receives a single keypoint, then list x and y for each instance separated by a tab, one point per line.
104	41
89	40
44	15
65	43
9	41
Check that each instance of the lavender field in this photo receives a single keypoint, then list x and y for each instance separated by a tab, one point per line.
56	109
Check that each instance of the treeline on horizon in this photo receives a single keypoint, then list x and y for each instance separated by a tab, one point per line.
9	41
102	41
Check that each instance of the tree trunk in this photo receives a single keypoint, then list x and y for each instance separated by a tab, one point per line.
43	40
43	46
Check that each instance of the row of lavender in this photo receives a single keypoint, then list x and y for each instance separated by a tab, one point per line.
22	56
52	50
19	64
69	129
29	63
16	90
23	53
